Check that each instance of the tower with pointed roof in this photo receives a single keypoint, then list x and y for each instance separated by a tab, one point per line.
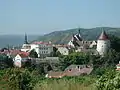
103	43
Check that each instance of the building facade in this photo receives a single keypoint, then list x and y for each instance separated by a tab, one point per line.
43	49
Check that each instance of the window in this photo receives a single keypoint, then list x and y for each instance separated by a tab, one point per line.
70	69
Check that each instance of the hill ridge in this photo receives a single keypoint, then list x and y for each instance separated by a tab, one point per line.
63	37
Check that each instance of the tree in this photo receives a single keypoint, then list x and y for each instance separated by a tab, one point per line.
5	62
19	79
115	42
55	52
33	54
109	81
74	58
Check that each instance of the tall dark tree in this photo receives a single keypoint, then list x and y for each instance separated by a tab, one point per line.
55	52
115	42
33	54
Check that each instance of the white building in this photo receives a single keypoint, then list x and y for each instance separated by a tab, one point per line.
103	43
63	50
26	47
43	49
20	59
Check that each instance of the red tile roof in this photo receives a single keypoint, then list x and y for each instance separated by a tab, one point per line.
103	36
24	54
12	52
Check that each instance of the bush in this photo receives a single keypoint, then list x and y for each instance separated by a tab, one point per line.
109	81
19	79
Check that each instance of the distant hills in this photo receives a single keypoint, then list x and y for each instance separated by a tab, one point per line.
60	37
14	40
57	37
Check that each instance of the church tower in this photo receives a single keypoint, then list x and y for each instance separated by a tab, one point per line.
75	38
26	41
103	43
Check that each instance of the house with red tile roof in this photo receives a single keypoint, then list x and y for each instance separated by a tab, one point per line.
20	59
72	70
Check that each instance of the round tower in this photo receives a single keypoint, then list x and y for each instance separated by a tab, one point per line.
103	43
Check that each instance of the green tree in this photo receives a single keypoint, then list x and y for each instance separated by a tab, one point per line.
115	42
5	62
74	58
55	52
109	81
19	79
33	54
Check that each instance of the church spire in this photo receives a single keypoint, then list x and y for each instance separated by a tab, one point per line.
25	42
79	30
79	35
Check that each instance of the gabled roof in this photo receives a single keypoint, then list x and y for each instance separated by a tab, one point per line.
78	37
103	36
24	54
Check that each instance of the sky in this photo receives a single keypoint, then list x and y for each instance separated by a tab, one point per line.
44	16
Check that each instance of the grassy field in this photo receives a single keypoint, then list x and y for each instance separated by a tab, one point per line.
67	83
73	83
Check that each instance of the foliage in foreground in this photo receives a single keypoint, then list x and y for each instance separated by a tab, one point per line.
23	79
109	81
18	79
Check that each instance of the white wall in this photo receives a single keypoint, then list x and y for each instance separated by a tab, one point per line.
17	61
103	46
71	44
63	50
41	49
26	47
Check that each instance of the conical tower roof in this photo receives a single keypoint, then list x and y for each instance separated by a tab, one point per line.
103	36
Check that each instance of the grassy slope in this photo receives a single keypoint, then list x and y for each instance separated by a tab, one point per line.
87	34
79	83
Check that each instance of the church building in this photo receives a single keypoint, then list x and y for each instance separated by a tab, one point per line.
101	46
